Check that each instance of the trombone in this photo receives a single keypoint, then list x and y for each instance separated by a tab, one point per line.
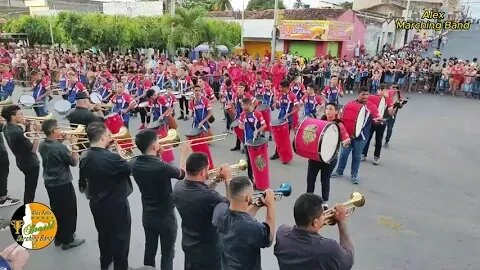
73	129
214	174
198	141
284	190
356	200
38	119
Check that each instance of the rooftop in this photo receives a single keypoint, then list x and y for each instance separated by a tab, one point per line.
289	14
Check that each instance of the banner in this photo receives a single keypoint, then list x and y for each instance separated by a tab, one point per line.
316	30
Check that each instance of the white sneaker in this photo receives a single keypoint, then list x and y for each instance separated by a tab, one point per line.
351	92
8	202
363	158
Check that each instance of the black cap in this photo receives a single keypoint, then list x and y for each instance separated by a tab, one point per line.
81	95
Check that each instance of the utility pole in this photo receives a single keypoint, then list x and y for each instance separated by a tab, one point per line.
405	41
172	7
243	28
274	32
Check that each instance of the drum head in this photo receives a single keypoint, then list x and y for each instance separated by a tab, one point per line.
329	142
95	97
263	107
62	107
194	132
188	96
257	142
156	88
235	124
26	100
361	118
277	122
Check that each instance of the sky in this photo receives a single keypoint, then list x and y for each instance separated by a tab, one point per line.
237	4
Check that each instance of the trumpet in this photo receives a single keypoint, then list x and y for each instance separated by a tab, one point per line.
73	129
356	200
284	190
214	174
125	145
38	119
6	102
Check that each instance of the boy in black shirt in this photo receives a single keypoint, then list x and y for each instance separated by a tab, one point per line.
56	161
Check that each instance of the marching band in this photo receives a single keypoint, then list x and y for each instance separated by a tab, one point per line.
218	232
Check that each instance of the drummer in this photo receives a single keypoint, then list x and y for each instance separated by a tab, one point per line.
357	143
314	166
253	124
201	110
74	87
268	94
158	105
40	93
206	89
311	101
288	105
123	103
259	84
237	102
171	98
228	93
332	91
297	87
141	96
105	88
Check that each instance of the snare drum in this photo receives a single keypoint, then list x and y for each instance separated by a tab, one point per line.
317	140
96	98
162	132
281	135
26	100
62	107
265	110
238	131
188	96
379	102
199	144
114	122
258	155
353	117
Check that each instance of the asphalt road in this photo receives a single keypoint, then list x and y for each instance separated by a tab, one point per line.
459	44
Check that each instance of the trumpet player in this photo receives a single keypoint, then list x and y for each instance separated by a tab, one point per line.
5	200
24	150
302	247
195	201
56	162
153	177
241	235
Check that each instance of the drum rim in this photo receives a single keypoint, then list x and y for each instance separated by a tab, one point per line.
60	103
265	141
187	134
319	140
364	108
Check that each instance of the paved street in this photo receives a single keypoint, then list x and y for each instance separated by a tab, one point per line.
421	210
460	44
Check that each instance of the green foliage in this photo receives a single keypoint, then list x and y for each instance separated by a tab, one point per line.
298	4
191	4
188	28
264	4
346	5
222	5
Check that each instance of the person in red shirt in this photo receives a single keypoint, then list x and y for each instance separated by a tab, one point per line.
314	166
206	89
123	103
235	72
278	74
379	127
40	93
310	102
253	124
249	76
258	85
201	110
6	82
357	143
74	87
457	76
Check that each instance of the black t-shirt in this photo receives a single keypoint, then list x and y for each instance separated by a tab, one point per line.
83	116
107	175
299	249
56	162
241	238
20	146
3	149
195	202
153	177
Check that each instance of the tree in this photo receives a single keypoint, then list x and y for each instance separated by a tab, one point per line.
264	4
298	4
222	5
191	4
37	28
347	5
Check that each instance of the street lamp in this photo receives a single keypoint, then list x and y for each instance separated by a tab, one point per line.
274	31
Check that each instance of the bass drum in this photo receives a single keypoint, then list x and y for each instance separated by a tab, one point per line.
317	140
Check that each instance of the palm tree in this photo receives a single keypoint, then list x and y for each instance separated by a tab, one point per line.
222	5
188	28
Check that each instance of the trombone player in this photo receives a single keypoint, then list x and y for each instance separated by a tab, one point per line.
56	162
25	151
302	247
